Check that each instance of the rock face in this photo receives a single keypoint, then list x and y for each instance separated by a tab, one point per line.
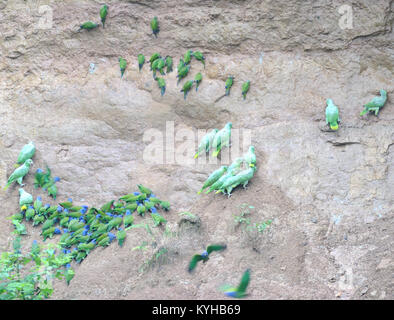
330	194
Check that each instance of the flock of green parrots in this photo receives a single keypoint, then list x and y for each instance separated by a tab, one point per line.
158	63
82	228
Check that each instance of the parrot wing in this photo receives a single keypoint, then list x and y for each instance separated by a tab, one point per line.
216	247
193	262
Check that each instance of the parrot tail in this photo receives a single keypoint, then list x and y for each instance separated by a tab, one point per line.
218	191
196	155
334	126
6	187
363	112
244	95
163	90
140	67
17	165
215	154
227	92
185	95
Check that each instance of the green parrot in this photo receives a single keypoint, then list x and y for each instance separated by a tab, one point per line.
37	204
250	157
186	88
48	233
19	173
198	79
141	61
181	64
154	200
332	115
104	242
108	206
75	225
35	249
232	170
240	291
86	246
169	64
88	25
165	205
154	57
155	67
48	224
205	255
206	143
188	56
40	178
17	216
69	275
19	227
215	176
103	14
27	152
38	219
162	85
128	219
30	213
148	205
222	139
131	206
245	88
141	210
145	190
158	219
375	104
121	235
25	198
52	191
241	178
154	24
182	73
122	65
81	256
114	223
199	56
160	65
228	84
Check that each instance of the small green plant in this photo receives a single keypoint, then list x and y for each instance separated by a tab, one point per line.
35	283
244	219
245	211
156	258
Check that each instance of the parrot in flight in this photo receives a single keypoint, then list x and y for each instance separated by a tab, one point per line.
186	88
375	104
205	255
27	152
222	138
250	157
141	61
229	84
103	14
332	115
240	291
19	173
154	24
25	198
199	56
245	88
198	79
122	65
206	142
162	85
215	176
88	25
